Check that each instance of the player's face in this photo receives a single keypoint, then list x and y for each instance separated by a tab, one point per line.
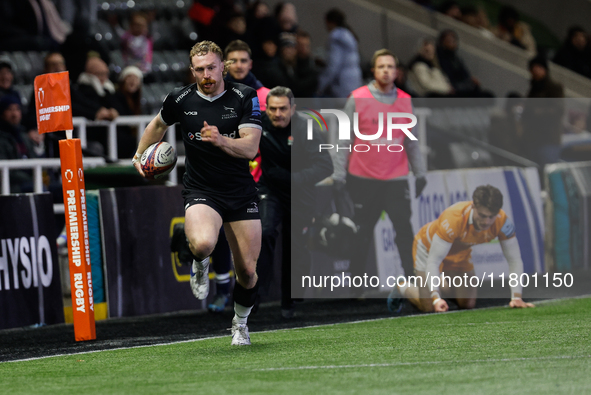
384	70
483	218
240	64
208	72
279	111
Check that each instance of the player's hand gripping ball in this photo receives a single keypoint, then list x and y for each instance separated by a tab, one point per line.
158	160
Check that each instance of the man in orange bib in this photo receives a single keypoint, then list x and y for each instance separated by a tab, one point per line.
444	246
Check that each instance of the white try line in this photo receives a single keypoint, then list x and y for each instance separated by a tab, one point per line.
278	330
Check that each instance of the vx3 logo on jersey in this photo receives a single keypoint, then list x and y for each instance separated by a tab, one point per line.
392	124
191	113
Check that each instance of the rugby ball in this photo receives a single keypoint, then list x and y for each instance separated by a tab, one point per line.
158	160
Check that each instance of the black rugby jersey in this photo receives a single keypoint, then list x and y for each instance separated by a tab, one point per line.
207	167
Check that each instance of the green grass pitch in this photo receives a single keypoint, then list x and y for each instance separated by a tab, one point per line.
546	350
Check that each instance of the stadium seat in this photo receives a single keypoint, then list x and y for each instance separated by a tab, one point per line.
116	64
36	60
23	72
165	34
103	32
25	90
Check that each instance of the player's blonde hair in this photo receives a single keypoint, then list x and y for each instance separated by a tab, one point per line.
205	47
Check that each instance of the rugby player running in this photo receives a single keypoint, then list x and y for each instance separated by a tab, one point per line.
221	128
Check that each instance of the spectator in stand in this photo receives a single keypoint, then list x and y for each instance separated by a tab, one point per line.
541	85
16	142
342	73
425	75
10	122
286	17
477	18
285	74
128	101
401	80
136	44
470	16
288	73
514	31
97	90
464	84
54	62
542	119
451	9
12	142
268	61
6	80
238	54
129	92
262	26
306	67
96	94
235	29
575	53
257	11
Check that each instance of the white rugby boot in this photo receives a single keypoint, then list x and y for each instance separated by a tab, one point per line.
240	336
200	278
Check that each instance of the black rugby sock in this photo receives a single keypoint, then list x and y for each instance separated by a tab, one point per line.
243	296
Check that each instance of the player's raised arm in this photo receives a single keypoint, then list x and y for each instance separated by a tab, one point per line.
245	147
152	134
512	253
